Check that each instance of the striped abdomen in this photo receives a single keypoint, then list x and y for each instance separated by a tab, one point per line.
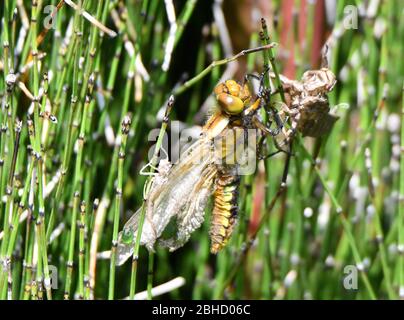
224	214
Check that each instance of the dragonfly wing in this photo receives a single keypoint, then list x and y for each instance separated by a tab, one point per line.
169	199
185	183
191	215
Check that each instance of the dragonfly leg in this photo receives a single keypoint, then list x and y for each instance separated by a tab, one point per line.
266	156
262	156
249	76
263	92
260	77
253	108
267	131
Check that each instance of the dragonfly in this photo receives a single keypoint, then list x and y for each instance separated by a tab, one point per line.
209	166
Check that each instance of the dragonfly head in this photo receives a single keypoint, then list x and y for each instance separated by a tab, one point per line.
232	97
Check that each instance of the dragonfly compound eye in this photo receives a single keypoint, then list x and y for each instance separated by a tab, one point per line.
230	104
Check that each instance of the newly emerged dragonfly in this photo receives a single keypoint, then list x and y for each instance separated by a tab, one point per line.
211	165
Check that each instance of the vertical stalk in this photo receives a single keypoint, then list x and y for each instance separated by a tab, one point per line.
153	163
400	266
150	275
70	262
82	229
118	201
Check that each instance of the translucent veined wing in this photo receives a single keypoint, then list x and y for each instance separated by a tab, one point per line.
126	238
191	216
184	194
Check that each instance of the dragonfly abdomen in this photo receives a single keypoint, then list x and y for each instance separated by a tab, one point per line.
224	214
